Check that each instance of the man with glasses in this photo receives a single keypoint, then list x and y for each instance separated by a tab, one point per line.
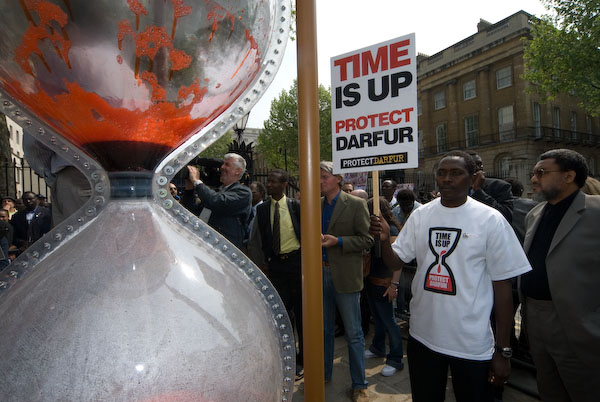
562	305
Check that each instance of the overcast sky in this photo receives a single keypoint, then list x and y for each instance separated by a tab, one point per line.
346	25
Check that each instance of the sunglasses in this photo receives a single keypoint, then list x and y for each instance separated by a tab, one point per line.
539	173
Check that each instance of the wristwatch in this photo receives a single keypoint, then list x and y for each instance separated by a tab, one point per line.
504	351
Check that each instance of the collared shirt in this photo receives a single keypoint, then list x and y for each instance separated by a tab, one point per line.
289	242
326	218
534	284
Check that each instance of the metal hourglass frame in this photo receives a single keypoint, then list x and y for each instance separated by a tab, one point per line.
163	173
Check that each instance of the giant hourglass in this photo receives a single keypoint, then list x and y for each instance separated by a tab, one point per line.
133	298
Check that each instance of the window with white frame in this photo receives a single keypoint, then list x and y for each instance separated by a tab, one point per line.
439	100
537	119
503	165
469	90
506	123
471	130
574	125
503	77
440	136
556	121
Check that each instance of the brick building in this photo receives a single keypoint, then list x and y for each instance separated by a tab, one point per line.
471	96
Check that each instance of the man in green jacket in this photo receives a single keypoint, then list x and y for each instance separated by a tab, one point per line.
345	234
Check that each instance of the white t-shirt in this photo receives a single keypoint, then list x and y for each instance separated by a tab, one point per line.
459	252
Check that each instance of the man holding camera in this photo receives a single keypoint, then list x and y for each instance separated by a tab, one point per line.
227	209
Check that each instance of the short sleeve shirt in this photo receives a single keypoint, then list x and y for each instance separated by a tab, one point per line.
459	252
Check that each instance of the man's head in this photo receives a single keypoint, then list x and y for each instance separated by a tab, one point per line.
360	193
453	177
258	192
330	183
277	182
348	187
388	187
516	187
558	174
29	200
232	169
173	189
8	203
4	217
477	159
406	200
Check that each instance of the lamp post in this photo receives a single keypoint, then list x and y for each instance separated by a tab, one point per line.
240	147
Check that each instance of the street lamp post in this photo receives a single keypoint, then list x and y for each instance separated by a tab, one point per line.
240	147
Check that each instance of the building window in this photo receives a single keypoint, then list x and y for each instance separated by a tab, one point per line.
419	107
503	165
503	77
537	119
506	125
556	121
440	136
592	166
588	128
421	144
574	125
469	90
471	130
439	100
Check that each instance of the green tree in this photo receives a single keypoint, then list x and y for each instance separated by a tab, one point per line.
278	140
564	54
218	148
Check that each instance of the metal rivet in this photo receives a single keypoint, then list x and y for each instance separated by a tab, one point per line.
285	337
282	327
168	170
3	284
69	228
162	180
270	297
275	306
167	204
14	274
90	211
250	271
47	246
162	193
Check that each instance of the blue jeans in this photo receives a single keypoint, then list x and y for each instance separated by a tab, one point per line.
383	315
349	307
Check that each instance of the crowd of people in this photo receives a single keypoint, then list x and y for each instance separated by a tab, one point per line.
479	250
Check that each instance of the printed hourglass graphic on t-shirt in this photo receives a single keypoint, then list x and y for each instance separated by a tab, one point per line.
439	277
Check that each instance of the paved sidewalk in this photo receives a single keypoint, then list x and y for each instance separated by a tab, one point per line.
382	389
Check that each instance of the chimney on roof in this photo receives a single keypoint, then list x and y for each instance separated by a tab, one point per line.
483	25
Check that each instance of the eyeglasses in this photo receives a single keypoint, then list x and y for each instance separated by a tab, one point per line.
539	173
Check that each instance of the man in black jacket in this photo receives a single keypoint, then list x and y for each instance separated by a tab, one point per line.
275	247
227	209
30	224
493	192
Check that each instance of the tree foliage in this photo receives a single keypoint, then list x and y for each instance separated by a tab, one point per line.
564	54
218	148
278	141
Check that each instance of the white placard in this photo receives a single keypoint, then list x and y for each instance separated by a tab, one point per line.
374	107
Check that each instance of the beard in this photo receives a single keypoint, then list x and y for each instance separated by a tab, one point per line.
546	194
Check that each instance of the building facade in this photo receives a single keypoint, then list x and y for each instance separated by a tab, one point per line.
471	96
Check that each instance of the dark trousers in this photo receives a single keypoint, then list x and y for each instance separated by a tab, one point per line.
429	372
289	286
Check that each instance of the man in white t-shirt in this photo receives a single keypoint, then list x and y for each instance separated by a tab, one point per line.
466	255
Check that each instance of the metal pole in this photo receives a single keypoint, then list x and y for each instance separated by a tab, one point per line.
308	126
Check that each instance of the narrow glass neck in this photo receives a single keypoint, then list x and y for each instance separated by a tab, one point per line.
130	184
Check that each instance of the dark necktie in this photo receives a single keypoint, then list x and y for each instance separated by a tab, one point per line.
276	233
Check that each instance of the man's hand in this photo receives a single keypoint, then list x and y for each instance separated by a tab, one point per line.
193	176
391	292
328	240
478	179
379	227
499	370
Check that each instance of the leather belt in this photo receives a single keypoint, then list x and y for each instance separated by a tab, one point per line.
285	256
386	282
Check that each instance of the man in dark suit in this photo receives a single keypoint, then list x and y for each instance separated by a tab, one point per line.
30	224
227	209
493	192
345	234
561	299
275	247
